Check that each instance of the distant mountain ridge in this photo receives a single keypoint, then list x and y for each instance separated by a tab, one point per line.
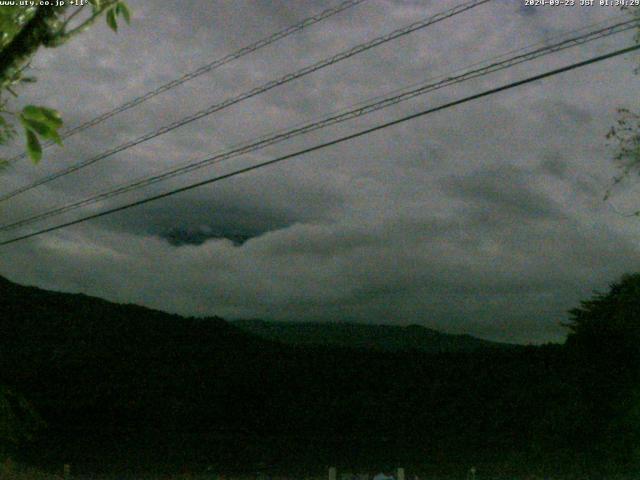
384	338
124	386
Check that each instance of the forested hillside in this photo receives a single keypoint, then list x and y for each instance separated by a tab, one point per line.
126	387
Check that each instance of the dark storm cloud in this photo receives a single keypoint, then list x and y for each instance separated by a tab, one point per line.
243	209
503	192
485	219
178	236
211	220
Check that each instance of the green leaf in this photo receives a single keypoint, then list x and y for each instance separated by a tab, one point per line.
55	136
31	111
123	10
44	121
52	116
38	127
111	20
95	5
42	114
34	149
47	115
44	129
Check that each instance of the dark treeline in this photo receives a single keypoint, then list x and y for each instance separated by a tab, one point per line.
125	387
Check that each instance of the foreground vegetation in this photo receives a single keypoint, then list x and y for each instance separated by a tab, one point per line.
113	388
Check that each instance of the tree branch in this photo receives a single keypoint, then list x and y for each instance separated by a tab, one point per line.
22	47
66	36
71	17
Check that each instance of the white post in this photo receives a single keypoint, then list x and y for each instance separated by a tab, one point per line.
332	473
400	473
66	470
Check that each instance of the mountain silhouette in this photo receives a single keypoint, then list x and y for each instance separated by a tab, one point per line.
132	388
384	338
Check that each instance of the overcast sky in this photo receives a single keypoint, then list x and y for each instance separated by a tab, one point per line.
484	219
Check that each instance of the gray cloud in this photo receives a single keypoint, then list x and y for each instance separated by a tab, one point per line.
484	219
503	192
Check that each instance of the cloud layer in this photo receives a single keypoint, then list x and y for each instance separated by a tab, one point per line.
485	219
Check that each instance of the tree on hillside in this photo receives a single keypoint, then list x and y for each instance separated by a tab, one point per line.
609	322
25	29
604	343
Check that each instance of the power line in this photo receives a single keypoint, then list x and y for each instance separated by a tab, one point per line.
331	142
205	69
254	92
331	120
270	140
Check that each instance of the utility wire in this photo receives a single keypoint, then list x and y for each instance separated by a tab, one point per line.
205	69
332	142
331	120
252	93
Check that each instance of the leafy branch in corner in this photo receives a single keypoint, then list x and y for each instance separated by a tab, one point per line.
24	29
